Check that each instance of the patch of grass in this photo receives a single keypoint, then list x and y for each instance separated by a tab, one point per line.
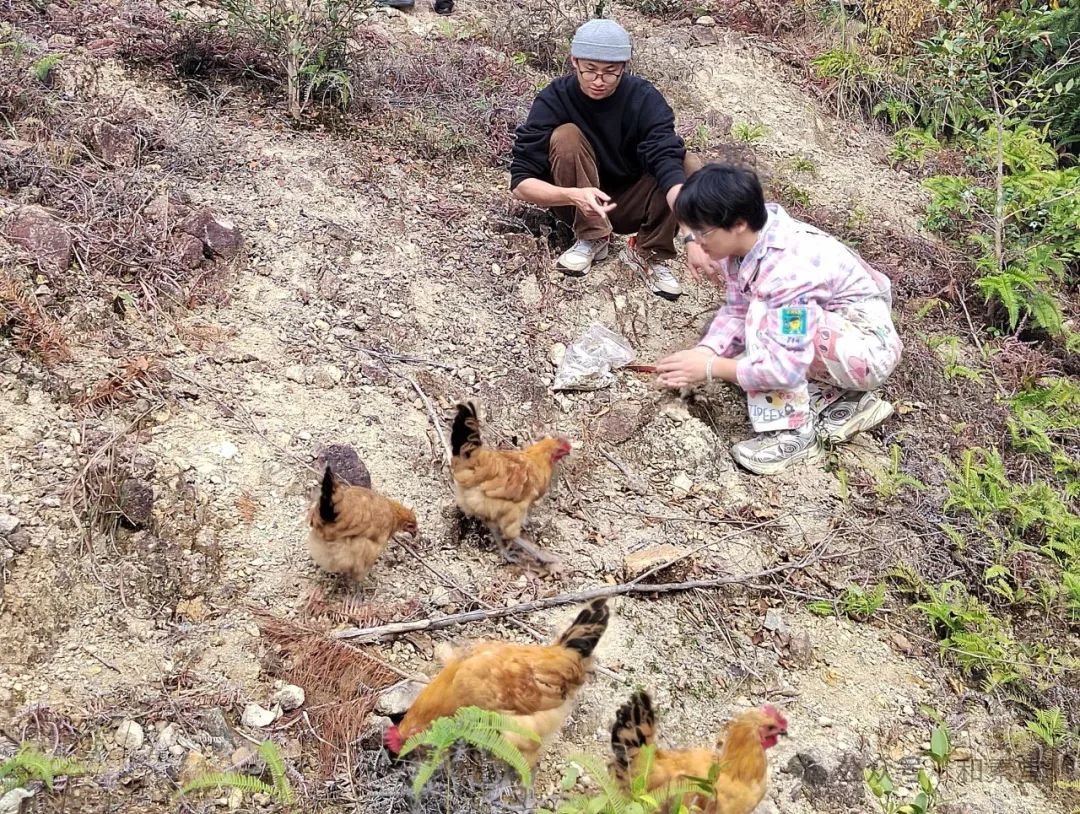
749	132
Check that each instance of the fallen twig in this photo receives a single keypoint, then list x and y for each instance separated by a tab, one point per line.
622	589
433	416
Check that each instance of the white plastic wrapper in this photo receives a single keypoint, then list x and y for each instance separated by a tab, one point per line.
589	361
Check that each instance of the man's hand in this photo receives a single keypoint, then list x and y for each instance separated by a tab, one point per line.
699	264
591	201
685	368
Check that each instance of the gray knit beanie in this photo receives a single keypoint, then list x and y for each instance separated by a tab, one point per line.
601	40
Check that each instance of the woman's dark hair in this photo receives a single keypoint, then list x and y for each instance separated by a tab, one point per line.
719	195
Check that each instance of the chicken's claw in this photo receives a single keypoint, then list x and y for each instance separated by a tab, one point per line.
520	551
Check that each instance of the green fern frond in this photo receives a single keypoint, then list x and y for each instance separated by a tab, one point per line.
28	763
271	753
279	789
227	780
482	729
615	799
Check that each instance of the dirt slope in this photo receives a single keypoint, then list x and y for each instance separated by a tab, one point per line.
347	251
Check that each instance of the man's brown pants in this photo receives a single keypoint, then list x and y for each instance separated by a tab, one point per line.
640	208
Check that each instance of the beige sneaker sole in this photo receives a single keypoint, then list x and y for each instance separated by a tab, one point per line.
775	467
862	422
600	255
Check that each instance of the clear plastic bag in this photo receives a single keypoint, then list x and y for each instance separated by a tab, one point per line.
588	362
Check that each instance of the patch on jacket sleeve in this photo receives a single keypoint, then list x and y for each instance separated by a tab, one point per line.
793	321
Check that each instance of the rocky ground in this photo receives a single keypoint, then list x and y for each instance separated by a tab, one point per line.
373	290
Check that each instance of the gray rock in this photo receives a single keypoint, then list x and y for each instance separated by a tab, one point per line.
800	649
130	735
289	697
774	621
187	251
117	144
220	236
398	699
345	463
257	717
136	503
43	236
8	524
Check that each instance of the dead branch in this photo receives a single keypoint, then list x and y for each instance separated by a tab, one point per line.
622	589
433	416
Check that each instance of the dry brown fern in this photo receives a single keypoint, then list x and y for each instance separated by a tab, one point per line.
33	330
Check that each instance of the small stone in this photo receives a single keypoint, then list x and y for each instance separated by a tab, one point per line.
187	251
345	463
556	353
638	562
43	236
467	375
167	737
8	523
296	373
136	503
194	765
117	144
327	376
621	422
398	700
682	483
824	722
257	717
800	649
289	697
130	736
705	20
902	643
675	411
220	236
192	610
236	799
774	621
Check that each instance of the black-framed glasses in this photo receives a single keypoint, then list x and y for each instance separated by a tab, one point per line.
690	237
608	78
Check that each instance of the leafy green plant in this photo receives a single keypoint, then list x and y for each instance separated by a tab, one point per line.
42	68
856	603
913	144
1051	727
749	133
883	788
850	79
637	799
479	728
279	788
895	479
29	764
308	42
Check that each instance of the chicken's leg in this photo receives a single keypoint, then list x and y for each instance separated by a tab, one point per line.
520	551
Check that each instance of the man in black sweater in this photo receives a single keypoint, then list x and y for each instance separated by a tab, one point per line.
599	147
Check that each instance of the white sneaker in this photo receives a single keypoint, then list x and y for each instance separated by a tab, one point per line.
657	276
852	413
578	259
770	453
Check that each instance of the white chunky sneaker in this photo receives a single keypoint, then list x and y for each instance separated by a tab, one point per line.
656	275
578	259
770	453
852	413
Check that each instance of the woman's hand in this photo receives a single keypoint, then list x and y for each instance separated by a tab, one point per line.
700	265
685	368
